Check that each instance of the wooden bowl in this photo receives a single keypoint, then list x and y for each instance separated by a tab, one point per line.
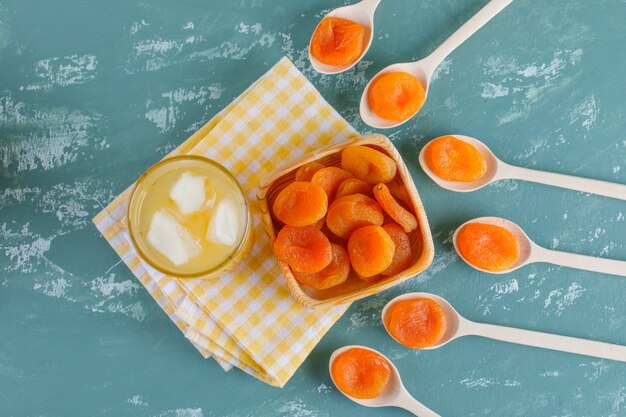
354	288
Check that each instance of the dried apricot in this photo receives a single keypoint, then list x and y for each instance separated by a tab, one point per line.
401	215
416	323
304	249
368	164
334	274
371	279
401	195
361	373
305	172
300	204
329	179
403	254
488	247
320	223
371	250
346	214
354	186
452	159
396	96
338	41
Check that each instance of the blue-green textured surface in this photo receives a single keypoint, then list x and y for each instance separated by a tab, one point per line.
92	93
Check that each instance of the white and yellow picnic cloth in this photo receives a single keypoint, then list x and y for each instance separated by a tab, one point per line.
246	318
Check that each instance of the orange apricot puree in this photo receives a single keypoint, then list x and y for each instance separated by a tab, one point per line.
452	159
396	96
361	373
488	247
416	323
338	41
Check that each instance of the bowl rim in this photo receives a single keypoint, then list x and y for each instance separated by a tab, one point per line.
146	258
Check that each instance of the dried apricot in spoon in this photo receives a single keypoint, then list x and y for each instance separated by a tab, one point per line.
458	326
361	373
334	274
497	170
488	247
396	96
300	204
401	215
416	323
455	160
392	394
304	249
338	42
530	252
368	164
343	36
422	71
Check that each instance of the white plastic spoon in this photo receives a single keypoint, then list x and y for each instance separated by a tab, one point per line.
459	326
423	69
498	170
394	394
361	13
530	252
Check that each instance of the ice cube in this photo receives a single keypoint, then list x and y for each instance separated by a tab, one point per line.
171	238
224	227
189	193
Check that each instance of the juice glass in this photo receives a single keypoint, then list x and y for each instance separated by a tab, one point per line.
181	245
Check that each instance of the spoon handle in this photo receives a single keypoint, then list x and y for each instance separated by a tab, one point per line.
586	185
584	262
549	341
370	5
415	407
468	29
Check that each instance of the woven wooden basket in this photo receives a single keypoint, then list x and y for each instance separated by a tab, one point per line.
354	288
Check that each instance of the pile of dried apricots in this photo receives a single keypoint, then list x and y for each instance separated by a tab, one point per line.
336	220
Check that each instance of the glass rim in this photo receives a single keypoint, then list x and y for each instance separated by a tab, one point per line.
202	273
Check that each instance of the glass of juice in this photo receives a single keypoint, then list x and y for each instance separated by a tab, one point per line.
188	217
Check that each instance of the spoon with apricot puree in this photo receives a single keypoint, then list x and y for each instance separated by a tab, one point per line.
499	246
399	91
425	321
461	163
368	378
342	38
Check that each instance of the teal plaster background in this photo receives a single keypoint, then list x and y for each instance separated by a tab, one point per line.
92	93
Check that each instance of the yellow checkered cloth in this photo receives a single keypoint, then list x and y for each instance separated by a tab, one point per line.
246	318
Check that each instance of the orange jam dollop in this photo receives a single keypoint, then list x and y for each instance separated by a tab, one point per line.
361	373
452	159
487	246
416	323
337	41
396	96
